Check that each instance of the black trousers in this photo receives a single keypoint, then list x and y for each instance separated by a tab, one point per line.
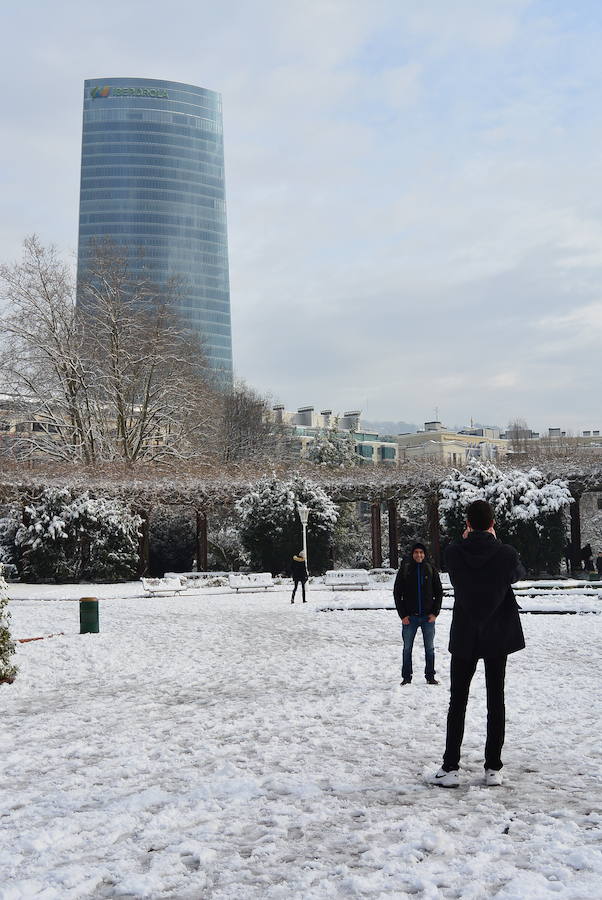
462	671
296	585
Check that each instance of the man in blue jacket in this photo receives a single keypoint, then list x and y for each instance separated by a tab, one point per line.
418	593
485	625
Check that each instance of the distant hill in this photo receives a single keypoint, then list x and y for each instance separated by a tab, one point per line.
393	428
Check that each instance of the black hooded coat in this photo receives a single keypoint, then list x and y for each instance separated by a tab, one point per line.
299	569
485	620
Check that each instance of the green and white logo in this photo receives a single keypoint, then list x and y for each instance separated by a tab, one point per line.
108	91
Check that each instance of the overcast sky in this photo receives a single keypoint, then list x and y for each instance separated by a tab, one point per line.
414	188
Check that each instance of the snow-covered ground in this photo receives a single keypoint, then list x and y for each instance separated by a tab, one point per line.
222	746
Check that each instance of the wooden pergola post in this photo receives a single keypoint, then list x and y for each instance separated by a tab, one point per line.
393	534
201	541
144	544
377	553
432	512
575	514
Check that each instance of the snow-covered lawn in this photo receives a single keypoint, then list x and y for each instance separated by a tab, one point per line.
219	746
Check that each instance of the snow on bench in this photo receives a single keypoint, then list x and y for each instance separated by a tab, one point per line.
356	579
260	580
192	580
196	576
171	585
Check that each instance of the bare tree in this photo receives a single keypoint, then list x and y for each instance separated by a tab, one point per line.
247	431
159	397
42	357
114	376
518	434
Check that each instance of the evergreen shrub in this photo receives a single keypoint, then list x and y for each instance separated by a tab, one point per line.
69	537
7	646
528	510
270	528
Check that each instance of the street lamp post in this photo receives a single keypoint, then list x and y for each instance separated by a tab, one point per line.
304	516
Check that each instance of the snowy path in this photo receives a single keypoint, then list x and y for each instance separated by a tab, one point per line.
237	747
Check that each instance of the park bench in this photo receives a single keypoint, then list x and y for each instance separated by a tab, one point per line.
349	579
259	580
167	585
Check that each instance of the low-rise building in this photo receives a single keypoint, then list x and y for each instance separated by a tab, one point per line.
306	424
451	447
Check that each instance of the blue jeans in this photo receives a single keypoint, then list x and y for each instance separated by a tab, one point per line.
408	633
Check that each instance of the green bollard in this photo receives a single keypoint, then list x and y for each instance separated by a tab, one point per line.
88	615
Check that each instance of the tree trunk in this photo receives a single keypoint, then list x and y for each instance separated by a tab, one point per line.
377	555
393	535
144	544
432	510
575	513
201	541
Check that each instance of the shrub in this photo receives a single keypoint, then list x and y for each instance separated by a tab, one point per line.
528	510
77	538
7	646
270	528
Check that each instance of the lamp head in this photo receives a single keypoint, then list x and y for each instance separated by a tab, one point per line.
303	513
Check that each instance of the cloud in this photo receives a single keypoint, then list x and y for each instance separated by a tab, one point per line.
580	328
413	220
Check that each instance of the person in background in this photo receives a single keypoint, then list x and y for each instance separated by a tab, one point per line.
299	573
599	563
485	625
418	594
588	558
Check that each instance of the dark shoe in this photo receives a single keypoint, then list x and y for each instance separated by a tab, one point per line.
292	601
432	681
406	681
305	601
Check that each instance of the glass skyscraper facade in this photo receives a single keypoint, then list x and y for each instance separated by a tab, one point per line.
152	179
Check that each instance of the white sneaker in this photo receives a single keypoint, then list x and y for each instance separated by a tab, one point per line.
493	778
447	779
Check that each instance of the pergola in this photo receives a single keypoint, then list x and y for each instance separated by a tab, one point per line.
205	493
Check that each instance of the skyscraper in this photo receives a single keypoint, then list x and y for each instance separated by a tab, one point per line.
152	179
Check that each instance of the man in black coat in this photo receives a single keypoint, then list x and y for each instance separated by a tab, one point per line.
485	625
418	594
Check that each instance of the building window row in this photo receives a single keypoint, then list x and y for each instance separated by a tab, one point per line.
136	169
154	218
140	131
136	150
204	148
136	135
158	194
185	248
134	174
157	203
217	320
127	230
114	110
106	133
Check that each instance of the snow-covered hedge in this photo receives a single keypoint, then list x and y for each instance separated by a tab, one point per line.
270	527
9	525
528	509
7	646
77	538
